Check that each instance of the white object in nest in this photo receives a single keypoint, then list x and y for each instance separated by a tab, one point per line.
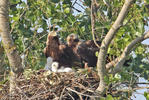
55	66
49	63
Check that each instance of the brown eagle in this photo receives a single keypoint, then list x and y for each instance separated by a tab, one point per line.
60	53
85	50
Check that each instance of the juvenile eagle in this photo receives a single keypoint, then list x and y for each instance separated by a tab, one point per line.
85	50
60	53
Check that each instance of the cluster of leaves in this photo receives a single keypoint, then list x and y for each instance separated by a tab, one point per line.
29	26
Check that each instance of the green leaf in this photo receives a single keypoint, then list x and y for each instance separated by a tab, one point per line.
15	18
55	1
146	1
141	27
146	95
109	97
14	1
67	10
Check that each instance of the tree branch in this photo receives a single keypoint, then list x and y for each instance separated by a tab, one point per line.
74	3
74	7
106	3
93	12
13	26
105	44
127	50
111	64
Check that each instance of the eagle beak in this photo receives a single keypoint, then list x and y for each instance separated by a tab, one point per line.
52	33
76	36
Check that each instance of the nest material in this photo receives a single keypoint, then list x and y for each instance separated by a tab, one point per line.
46	85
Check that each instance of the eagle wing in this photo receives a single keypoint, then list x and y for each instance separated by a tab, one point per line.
86	50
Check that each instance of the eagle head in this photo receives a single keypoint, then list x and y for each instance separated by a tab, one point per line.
52	45
72	39
52	33
52	38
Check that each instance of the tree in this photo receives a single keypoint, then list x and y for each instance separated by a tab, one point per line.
106	42
119	24
10	48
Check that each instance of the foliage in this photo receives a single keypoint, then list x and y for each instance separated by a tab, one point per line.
146	95
30	23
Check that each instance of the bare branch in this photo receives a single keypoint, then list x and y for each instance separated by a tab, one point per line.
76	9
133	43
105	44
111	64
79	93
93	22
106	3
127	50
104	18
74	3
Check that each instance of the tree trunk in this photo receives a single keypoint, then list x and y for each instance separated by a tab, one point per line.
8	44
105	44
2	69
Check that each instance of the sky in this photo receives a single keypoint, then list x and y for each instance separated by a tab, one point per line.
139	94
147	40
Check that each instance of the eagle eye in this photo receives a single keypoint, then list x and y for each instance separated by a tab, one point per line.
76	40
55	38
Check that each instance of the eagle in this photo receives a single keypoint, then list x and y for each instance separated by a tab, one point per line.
61	53
85	50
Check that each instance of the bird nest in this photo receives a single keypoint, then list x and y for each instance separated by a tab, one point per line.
47	85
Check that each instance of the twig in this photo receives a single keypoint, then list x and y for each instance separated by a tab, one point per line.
62	93
37	91
74	3
93	23
80	5
76	9
106	3
37	96
13	26
81	1
71	96
22	92
87	89
80	97
142	83
128	21
103	15
127	50
111	64
69	89
126	90
33	43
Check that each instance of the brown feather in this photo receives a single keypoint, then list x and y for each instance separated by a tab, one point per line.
61	53
85	50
